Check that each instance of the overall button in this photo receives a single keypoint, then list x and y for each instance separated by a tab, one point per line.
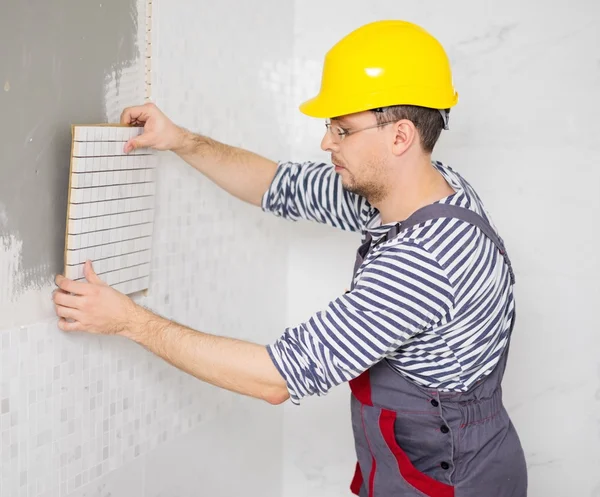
444	429
445	465
434	403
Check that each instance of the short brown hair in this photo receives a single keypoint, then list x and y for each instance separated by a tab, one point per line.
429	122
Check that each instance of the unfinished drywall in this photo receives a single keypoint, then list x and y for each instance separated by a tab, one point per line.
57	60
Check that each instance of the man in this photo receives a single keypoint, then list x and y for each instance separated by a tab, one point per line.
422	335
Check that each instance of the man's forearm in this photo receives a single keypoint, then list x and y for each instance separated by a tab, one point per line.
240	172
235	365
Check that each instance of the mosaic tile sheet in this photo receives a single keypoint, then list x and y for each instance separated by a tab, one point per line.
110	217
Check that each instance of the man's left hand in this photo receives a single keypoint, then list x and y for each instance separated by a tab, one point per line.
236	365
93	306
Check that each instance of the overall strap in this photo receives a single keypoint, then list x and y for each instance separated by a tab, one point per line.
437	211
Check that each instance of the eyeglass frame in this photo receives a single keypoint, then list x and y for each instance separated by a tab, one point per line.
345	133
445	113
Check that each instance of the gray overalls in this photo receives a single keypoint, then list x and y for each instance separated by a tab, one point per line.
413	442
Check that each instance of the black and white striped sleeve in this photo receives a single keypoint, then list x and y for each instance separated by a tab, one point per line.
313	191
401	293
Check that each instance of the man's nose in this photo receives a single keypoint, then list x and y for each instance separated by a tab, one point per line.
328	144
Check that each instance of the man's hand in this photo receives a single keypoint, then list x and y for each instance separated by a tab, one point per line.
244	174
236	365
160	133
93	307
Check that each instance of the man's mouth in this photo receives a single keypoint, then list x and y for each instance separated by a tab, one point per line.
337	165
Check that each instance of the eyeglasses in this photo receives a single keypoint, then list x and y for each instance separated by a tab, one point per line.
338	133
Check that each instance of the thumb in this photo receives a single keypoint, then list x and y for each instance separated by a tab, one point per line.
144	140
90	275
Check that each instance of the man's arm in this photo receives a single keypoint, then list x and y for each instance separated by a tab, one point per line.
235	365
242	173
400	293
294	191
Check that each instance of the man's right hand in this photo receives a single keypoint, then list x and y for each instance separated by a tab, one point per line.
242	173
160	133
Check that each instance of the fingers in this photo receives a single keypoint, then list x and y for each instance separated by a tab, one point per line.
145	140
66	305
67	312
65	325
70	286
136	115
90	275
60	297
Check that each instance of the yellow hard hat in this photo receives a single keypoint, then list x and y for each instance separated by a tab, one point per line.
380	64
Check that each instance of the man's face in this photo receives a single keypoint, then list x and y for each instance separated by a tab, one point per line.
360	155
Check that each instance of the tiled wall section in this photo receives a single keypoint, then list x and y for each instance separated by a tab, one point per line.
96	416
75	408
525	133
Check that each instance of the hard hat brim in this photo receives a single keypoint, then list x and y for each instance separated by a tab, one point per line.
325	107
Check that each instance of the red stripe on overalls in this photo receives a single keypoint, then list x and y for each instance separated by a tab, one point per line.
372	477
357	480
361	389
422	482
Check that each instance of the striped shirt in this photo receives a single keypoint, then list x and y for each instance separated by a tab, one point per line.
436	301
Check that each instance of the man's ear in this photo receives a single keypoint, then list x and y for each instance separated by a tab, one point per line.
405	134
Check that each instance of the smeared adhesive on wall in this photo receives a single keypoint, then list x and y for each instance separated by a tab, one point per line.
68	62
11	270
19	302
10	260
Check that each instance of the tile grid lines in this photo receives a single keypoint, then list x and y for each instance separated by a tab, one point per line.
110	216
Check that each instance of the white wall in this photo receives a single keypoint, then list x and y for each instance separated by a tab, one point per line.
91	416
84	416
220	69
525	133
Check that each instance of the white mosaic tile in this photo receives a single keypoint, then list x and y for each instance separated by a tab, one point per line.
75	407
111	207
